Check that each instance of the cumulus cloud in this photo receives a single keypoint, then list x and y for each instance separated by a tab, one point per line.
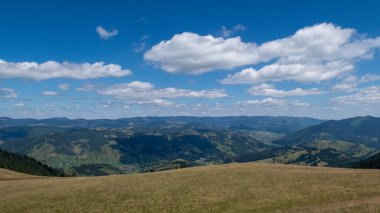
274	102
313	54
269	90
190	53
64	86
140	85
49	93
104	34
266	101
345	86
304	73
53	69
8	93
226	32
363	96
138	90
351	82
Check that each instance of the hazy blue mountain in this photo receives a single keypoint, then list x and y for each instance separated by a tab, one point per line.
259	123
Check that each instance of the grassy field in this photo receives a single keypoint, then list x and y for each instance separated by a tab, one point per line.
249	187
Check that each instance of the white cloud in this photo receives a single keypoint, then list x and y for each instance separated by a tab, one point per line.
351	82
49	93
349	86
363	96
64	86
159	102
53	69
8	93
228	32
140	85
142	91
266	101
369	78
313	54
86	88
104	34
273	102
269	90
190	53
141	46
19	105
305	73
299	104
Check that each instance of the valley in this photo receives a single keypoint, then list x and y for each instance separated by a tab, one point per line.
134	145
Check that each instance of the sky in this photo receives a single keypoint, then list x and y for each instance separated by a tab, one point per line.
114	59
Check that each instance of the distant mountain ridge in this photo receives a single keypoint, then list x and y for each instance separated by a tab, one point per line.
281	124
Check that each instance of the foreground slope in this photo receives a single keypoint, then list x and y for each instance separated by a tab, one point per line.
246	187
6	174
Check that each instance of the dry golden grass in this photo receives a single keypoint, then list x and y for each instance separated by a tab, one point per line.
249	187
11	175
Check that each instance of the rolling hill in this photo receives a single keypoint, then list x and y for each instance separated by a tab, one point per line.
358	130
248	187
115	151
24	164
331	143
373	162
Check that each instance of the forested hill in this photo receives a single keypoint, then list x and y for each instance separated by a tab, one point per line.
24	164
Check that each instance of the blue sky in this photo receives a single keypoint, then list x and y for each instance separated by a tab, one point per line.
112	59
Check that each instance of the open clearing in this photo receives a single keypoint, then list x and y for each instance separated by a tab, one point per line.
249	187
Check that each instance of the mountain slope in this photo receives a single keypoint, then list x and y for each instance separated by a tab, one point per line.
359	130
14	133
25	164
246	187
372	162
115	151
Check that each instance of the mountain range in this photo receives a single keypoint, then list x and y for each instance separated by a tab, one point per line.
101	147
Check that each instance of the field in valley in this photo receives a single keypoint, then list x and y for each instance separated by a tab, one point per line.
248	187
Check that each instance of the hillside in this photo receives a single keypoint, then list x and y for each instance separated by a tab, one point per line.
335	143
246	187
116	151
372	162
6	174
358	130
24	164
